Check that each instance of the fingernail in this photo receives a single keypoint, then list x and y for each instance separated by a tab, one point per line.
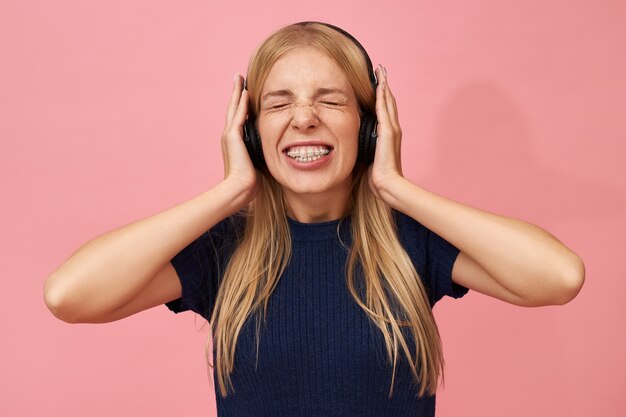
236	77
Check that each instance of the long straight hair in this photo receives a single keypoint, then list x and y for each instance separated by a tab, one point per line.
394	297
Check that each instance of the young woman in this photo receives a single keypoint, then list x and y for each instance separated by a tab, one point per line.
315	261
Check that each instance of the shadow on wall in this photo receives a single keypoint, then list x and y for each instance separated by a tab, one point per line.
483	135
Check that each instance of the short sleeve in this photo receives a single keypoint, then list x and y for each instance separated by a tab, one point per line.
200	266
432	256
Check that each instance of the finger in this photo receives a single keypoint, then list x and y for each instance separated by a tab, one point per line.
242	109
386	108
382	114
233	103
390	102
392	110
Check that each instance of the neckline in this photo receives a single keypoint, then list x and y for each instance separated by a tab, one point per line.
326	230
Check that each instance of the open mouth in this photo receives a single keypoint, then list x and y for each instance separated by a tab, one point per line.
308	153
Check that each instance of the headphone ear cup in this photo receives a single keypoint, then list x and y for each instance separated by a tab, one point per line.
367	138
253	142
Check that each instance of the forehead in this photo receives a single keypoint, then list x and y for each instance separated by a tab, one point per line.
306	69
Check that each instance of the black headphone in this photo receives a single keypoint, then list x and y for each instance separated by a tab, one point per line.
367	130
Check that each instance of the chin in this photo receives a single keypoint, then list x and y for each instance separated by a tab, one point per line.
315	186
306	189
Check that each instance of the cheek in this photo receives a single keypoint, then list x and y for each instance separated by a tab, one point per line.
268	133
349	131
271	127
270	130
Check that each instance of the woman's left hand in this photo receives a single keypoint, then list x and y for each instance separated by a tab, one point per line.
387	165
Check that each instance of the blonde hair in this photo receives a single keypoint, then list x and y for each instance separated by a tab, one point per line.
394	295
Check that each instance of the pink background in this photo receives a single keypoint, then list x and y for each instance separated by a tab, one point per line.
112	111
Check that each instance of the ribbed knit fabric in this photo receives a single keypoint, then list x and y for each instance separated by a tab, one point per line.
319	355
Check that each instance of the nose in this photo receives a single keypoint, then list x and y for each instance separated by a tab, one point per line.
304	117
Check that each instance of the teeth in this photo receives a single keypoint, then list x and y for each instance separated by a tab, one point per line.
307	153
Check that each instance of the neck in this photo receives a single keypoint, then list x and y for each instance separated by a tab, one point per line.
315	208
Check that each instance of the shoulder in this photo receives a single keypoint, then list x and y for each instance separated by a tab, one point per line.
225	235
229	229
408	229
216	244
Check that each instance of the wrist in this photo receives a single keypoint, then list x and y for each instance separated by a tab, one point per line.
236	194
391	190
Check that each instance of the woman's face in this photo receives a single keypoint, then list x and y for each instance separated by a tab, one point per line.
309	124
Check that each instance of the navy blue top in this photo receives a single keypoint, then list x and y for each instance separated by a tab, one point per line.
319	355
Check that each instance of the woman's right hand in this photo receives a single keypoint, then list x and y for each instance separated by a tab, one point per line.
238	167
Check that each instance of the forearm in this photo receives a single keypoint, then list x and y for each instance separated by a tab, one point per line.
523	258
111	269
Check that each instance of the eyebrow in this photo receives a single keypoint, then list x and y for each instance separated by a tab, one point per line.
319	92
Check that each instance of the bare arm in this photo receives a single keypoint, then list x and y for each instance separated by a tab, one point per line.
502	257
127	270
110	271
